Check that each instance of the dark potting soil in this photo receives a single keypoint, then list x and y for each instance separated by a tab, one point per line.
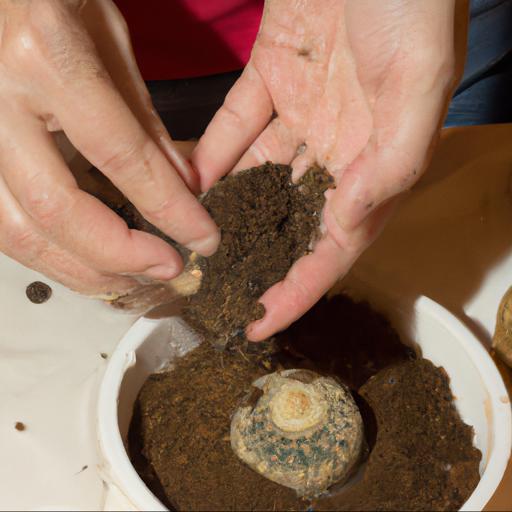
267	223
421	454
423	458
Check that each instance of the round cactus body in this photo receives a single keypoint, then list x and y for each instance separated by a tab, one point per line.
299	429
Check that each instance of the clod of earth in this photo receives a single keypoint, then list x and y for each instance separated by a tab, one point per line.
502	339
300	430
267	223
38	292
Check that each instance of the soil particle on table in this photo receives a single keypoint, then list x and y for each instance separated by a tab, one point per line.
421	458
38	292
267	223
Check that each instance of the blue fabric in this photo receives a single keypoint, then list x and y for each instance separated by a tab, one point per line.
483	96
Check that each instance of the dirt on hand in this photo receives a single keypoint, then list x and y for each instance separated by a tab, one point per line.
267	223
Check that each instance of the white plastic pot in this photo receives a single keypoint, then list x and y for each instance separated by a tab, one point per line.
479	391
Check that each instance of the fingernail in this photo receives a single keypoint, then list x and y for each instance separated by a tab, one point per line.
249	330
162	272
205	246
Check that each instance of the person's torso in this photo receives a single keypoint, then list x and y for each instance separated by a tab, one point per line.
189	38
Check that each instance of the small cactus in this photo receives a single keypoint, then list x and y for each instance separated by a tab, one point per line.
299	429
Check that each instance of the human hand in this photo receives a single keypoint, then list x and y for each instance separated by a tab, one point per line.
359	87
54	77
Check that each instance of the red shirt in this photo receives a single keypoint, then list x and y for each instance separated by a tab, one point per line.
188	38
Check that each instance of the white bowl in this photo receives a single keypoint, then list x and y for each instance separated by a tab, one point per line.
479	391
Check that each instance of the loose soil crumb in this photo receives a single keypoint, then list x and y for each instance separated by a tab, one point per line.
422	457
267	223
38	292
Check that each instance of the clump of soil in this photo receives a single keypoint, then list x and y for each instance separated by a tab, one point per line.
267	223
38	292
421	456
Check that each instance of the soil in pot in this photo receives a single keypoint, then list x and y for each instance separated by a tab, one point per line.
421	453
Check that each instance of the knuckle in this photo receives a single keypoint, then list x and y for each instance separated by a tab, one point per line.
62	42
299	294
23	241
353	242
49	39
260	151
43	209
230	115
349	241
129	159
23	50
164	213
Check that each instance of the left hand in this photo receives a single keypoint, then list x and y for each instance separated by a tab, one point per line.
359	87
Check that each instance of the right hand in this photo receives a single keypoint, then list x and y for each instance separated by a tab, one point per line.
54	77
358	87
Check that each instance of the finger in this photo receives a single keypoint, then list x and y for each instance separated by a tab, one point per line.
275	144
47	192
391	163
303	161
246	111
308	279
140	170
20	240
100	125
109	32
314	274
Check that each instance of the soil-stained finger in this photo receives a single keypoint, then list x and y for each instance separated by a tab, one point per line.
314	274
